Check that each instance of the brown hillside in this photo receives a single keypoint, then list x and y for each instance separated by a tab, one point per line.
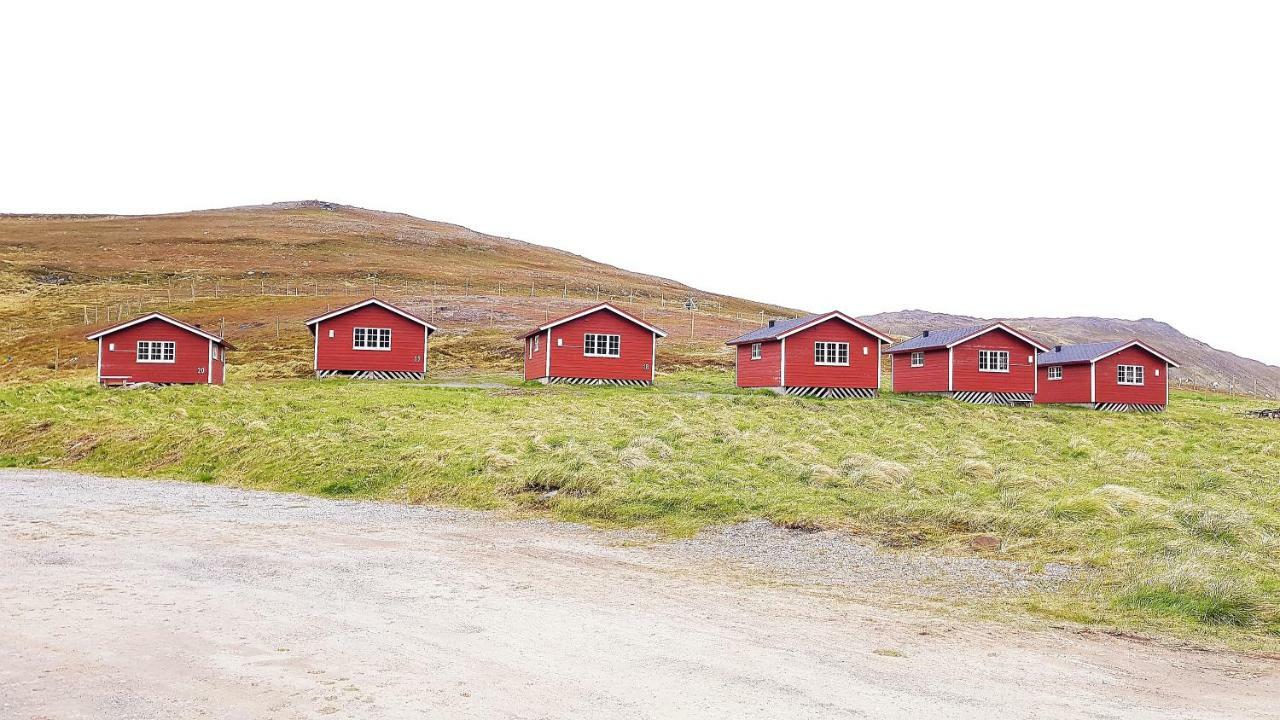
246	269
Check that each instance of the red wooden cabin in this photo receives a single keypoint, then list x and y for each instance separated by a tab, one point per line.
371	340
156	348
824	355
990	364
601	345
1125	375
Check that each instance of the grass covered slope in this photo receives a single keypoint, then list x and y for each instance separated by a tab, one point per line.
259	272
1174	519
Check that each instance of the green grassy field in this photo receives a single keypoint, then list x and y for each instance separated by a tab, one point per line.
1174	519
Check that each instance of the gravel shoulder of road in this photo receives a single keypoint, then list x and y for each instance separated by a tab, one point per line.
835	560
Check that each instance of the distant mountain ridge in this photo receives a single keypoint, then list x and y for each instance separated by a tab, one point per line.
1202	364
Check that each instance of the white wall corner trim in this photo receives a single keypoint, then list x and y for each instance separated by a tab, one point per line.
783	377
653	359
1093	382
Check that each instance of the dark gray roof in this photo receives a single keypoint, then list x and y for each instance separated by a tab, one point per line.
1088	352
937	338
946	338
772	333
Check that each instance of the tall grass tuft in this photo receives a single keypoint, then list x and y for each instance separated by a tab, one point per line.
872	472
1184	592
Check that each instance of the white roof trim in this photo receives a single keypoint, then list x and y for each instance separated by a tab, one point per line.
597	308
379	303
156	316
841	316
1140	344
1006	328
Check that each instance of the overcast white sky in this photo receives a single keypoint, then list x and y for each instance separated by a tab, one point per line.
984	158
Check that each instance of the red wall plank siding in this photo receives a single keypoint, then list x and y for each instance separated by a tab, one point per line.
535	362
1021	377
635	349
191	355
408	342
1151	392
863	371
765	372
1072	388
930	378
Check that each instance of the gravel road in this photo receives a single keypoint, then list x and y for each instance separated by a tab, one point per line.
152	599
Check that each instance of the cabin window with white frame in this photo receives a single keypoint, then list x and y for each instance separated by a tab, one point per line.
917	359
1055	372
537	342
1129	374
371	339
755	351
156	351
831	353
600	345
993	361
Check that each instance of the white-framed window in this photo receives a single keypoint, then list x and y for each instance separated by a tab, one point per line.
1129	374
156	351
1055	372
537	342
917	359
755	351
993	361
831	353
371	339
601	345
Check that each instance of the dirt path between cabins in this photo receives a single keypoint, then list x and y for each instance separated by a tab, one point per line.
142	599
